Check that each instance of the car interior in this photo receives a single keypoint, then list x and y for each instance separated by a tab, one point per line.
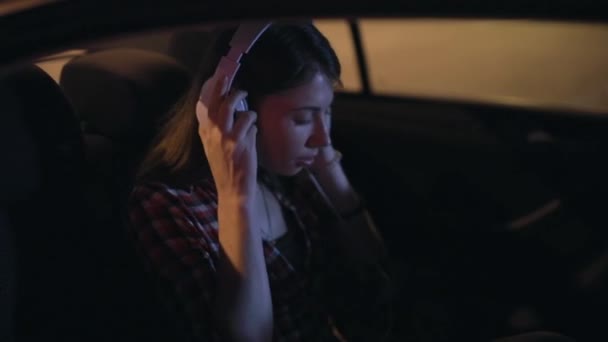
492	214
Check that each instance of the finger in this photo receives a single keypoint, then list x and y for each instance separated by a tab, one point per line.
328	125
243	123
202	114
227	109
251	136
217	93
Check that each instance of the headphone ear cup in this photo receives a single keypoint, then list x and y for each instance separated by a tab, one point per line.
242	106
205	97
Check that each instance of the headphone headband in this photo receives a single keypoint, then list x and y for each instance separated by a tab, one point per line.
245	36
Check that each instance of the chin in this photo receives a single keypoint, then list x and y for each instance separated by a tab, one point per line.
286	171
290	172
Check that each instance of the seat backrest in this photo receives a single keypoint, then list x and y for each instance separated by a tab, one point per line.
189	47
120	95
43	214
65	272
18	178
7	279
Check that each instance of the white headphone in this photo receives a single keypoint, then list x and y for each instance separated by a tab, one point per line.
245	36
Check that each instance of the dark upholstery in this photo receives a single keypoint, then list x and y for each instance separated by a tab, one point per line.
8	275
43	216
67	274
540	336
120	95
131	90
19	174
189	47
19	179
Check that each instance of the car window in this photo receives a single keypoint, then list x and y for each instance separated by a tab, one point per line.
339	34
513	62
518	62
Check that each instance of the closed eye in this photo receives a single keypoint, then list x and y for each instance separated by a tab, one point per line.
299	121
302	117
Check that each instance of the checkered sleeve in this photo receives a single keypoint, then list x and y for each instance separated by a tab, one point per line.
173	243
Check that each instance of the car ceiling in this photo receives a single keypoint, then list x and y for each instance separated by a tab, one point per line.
96	20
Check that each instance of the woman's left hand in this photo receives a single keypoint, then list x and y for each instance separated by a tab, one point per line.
326	156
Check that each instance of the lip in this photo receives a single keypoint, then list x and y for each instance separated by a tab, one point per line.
305	161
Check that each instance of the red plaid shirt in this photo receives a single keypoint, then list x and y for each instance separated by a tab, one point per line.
176	233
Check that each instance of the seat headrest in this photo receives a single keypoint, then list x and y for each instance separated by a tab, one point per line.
121	91
39	133
189	47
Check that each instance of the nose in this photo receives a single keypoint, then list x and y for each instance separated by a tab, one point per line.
320	134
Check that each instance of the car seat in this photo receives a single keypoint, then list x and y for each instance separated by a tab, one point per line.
189	47
48	267
120	96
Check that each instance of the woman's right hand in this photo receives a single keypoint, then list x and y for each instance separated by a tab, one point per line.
229	143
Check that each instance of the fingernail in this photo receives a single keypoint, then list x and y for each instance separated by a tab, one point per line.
225	85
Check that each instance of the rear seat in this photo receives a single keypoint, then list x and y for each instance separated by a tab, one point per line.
120	95
49	266
18	181
67	273
189	47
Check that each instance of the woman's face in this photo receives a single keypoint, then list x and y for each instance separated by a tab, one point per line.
293	125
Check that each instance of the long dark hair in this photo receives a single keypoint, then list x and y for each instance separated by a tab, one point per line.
286	55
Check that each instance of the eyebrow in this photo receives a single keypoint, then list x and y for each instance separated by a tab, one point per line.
312	108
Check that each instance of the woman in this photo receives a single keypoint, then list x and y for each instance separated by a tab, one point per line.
248	220
274	243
